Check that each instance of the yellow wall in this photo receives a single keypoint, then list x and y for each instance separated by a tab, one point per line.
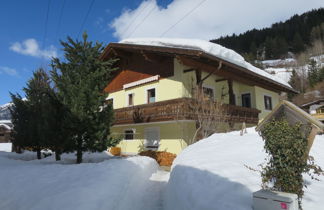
260	93
165	89
174	136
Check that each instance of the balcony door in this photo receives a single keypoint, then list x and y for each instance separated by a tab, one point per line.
152	138
246	100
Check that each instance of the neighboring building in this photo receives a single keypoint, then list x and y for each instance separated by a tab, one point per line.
5	123
5	131
315	108
151	90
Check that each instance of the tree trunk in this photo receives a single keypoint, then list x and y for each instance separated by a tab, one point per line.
79	156
57	154
39	154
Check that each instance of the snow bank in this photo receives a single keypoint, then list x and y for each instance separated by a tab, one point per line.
116	183
6	147
210	174
207	47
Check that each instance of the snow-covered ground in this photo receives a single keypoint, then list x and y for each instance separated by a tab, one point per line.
283	73
103	182
211	174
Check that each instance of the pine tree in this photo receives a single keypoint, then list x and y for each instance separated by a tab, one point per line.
313	73
30	116
20	117
298	44
38	101
80	81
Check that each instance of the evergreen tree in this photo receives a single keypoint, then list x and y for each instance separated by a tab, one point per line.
80	81
313	73
59	120
321	74
30	116
38	101
21	118
294	82
298	43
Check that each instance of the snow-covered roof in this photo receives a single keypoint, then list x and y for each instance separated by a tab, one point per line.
208	48
5	126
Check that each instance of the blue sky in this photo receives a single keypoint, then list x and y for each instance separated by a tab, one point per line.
24	46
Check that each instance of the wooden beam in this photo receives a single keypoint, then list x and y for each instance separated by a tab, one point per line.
231	92
220	80
188	70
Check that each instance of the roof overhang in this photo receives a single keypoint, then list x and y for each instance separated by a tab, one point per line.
111	51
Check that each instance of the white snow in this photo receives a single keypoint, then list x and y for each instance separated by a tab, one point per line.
207	47
279	62
6	147
105	183
283	73
210	174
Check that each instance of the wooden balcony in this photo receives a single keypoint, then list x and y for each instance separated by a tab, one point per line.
180	109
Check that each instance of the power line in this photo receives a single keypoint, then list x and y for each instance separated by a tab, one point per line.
60	18
128	26
46	22
148	14
86	17
183	17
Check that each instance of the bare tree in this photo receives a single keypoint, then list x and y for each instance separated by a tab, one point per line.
207	113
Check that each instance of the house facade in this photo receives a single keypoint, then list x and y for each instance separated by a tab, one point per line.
153	88
5	131
315	108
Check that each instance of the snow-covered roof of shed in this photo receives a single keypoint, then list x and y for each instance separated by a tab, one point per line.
207	47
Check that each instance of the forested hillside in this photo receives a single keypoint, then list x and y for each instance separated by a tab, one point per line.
293	35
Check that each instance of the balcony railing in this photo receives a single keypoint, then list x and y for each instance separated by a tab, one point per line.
181	109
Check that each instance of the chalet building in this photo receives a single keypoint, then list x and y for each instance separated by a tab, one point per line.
152	90
5	131
315	108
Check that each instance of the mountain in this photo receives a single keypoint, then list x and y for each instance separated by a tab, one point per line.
293	35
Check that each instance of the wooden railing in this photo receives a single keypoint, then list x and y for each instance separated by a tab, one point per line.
180	109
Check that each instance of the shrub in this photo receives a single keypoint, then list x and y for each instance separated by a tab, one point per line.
161	157
288	157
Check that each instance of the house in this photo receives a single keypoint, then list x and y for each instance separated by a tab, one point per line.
5	131
5	123
315	108
151	90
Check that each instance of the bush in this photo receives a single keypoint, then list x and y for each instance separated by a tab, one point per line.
288	157
162	158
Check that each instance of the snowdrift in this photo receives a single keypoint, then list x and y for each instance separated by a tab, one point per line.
211	174
113	183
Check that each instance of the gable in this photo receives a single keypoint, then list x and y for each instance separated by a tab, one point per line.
137	67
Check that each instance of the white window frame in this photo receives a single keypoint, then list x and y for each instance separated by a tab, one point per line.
146	93
264	105
113	104
129	129
127	102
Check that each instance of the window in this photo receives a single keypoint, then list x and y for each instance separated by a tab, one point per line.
208	93
129	134
110	101
246	100
130	99
1	134
267	103
151	95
